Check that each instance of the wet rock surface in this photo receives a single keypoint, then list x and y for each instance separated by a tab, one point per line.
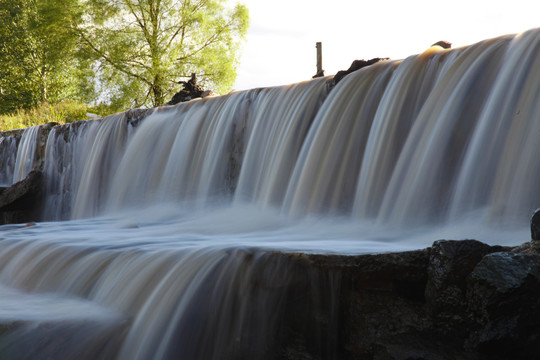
21	202
454	300
535	225
504	303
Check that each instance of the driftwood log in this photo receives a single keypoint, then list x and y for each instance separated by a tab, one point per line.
191	90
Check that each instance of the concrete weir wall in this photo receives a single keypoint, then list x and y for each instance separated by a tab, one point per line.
22	201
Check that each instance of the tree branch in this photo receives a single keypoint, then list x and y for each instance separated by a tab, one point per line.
140	21
102	55
214	38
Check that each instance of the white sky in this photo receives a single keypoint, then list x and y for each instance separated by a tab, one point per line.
280	46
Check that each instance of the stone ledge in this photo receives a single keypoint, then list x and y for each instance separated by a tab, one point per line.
21	202
454	300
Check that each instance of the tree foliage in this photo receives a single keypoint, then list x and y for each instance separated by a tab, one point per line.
121	52
38	53
144	46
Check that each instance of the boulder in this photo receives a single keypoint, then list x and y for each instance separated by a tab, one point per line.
21	201
444	44
504	303
454	300
535	225
356	65
450	263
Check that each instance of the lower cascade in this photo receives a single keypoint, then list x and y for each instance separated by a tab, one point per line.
196	231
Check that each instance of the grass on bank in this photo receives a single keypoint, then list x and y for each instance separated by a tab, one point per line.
64	112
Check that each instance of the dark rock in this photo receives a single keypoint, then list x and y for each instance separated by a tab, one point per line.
528	248
506	271
444	44
450	263
504	303
353	297
21	202
356	65
455	300
535	225
134	117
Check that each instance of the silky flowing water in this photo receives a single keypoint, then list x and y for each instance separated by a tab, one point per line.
160	234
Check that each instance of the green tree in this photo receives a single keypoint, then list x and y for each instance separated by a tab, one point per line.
143	46
38	54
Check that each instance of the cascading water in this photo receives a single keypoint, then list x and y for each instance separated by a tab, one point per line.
26	153
174	218
8	156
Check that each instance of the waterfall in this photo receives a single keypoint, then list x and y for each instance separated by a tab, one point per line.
144	299
78	162
65	153
8	156
171	232
426	140
26	153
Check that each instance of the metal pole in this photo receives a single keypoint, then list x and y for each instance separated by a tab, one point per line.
320	71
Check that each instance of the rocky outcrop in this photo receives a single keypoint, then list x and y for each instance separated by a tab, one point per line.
356	65
21	202
504	303
455	300
535	226
444	44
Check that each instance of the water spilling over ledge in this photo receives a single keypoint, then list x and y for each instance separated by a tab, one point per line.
179	222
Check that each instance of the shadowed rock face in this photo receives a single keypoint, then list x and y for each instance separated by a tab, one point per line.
454	300
444	44
21	202
535	225
356	65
